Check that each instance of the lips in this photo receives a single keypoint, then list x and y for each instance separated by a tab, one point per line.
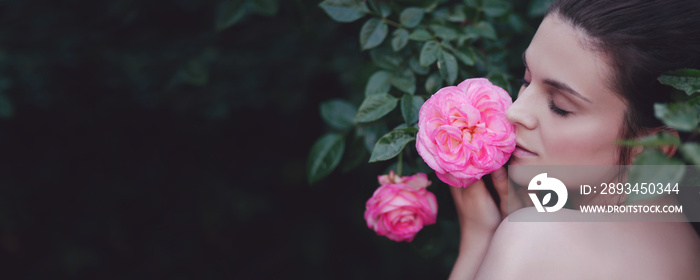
522	152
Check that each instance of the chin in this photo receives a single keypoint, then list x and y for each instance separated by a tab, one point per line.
571	174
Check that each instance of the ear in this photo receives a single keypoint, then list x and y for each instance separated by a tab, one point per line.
668	150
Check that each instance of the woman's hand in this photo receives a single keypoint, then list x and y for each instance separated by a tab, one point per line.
479	216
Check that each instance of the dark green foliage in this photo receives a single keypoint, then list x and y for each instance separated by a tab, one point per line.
392	143
687	80
683	115
433	44
168	139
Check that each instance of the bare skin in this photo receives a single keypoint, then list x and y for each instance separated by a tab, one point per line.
558	127
491	247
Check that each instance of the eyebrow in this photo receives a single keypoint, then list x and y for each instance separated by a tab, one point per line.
557	84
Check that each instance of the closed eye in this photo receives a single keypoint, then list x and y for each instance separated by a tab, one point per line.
553	107
523	82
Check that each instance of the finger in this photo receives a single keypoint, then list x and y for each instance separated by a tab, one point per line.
477	197
475	189
500	183
456	196
466	197
509	199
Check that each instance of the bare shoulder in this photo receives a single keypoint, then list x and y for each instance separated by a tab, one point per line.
578	250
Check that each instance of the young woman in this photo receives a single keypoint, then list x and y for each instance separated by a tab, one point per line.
591	79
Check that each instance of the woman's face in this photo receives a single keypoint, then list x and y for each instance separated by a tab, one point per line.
565	113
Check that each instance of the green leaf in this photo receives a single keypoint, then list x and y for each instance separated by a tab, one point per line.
495	8
403	125
500	80
472	3
439	15
385	58
429	53
404	81
654	156
655	140
465	55
384	9
373	33
375	106
378	83
410	106
665	170
433	83
266	7
447	64
456	14
470	33
687	80
486	30
681	116
338	114
430	5
416	67
228	13
324	156
444	32
411	17
344	10
399	39
517	23
691	152
497	55
392	144
538	7
420	35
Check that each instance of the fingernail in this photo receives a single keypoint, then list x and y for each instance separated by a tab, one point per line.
499	174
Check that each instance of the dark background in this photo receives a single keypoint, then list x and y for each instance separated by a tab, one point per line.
137	141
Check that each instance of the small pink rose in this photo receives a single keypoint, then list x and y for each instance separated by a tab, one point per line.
463	132
401	206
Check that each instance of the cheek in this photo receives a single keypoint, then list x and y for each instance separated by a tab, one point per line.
585	141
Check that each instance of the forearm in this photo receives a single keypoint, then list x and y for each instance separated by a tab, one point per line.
472	249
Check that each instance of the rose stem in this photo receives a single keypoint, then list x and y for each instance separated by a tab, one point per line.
400	164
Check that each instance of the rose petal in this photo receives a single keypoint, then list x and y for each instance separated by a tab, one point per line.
463	132
399	211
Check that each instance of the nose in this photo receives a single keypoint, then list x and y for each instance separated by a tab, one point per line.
522	112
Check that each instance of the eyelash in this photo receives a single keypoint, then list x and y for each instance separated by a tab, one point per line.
523	82
556	109
552	106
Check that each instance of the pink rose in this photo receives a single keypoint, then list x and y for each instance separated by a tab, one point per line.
463	132
401	206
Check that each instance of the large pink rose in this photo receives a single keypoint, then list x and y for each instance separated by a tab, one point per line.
401	206
463	132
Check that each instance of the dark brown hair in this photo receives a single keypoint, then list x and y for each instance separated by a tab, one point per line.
641	40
